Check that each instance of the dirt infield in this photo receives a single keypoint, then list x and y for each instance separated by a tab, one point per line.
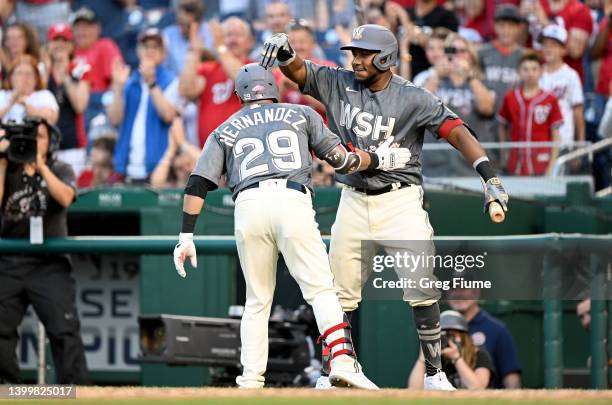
492	396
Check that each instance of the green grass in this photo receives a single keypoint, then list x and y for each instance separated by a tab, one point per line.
307	401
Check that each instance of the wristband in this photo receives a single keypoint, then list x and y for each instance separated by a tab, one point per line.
189	222
152	85
287	62
484	168
455	360
374	161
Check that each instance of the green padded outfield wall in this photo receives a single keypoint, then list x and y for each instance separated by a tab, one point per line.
207	291
388	357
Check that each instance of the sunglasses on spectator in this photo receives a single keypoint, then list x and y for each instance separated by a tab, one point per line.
451	50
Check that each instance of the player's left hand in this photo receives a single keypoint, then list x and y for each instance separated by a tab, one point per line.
392	158
184	249
494	191
277	48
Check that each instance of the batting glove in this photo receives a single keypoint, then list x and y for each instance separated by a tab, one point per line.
184	249
392	158
277	48
494	191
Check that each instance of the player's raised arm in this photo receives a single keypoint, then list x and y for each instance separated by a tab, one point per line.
277	48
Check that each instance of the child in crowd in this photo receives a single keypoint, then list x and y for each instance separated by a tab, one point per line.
530	114
564	82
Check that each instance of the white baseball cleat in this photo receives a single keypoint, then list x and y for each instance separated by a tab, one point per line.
249	382
346	372
323	383
438	382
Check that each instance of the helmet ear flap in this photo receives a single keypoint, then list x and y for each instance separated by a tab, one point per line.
385	61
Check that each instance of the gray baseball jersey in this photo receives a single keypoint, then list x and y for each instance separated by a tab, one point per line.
365	119
265	141
500	70
501	74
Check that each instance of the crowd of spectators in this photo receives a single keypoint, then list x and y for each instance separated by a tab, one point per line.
136	86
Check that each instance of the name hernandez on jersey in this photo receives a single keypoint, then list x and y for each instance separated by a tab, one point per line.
229	131
265	141
364	119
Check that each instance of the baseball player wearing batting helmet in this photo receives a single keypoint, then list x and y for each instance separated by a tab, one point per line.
264	151
367	107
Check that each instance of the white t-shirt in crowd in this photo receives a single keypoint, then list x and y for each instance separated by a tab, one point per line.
565	84
38	99
421	78
136	168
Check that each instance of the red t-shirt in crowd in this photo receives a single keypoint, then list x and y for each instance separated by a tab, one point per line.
294	96
483	24
100	57
605	70
86	178
218	100
574	15
531	120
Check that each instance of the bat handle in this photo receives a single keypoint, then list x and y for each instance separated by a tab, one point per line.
496	212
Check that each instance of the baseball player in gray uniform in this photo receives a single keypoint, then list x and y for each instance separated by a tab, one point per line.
367	107
264	150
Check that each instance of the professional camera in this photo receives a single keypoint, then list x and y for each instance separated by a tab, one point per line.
215	342
22	138
444	339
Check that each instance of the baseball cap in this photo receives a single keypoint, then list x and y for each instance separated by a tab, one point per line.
150	33
453	320
508	12
556	32
84	14
59	31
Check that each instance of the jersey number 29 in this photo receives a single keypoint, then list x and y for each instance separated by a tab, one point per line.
285	157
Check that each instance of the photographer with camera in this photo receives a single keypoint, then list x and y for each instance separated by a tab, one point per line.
35	191
465	365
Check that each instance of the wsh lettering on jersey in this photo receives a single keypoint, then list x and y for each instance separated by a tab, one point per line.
365	124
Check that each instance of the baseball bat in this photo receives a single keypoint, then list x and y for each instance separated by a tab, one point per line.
496	212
